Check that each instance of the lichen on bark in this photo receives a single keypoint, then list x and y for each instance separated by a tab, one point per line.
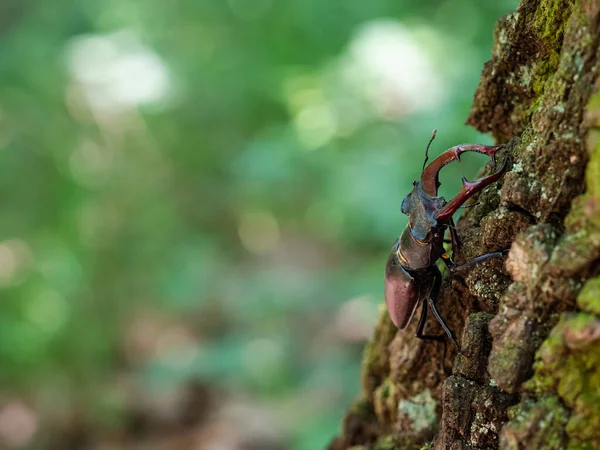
531	327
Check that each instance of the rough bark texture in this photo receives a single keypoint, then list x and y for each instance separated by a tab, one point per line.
531	324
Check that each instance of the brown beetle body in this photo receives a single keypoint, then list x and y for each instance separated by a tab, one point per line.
411	275
402	291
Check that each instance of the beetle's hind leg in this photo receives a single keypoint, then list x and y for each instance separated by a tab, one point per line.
433	293
421	326
431	299
439	318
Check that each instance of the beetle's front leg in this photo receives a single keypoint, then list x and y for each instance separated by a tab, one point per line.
454	236
453	267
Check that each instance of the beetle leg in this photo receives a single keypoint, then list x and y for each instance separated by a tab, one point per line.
456	268
454	236
430	181
437	283
421	326
468	189
443	324
471	205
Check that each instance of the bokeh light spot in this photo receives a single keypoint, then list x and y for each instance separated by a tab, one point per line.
15	255
18	423
316	125
48	311
356	319
89	163
393	69
262	355
117	70
259	231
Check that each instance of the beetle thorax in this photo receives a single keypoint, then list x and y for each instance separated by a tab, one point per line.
422	239
421	209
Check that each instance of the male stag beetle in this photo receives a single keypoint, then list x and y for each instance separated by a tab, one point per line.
411	275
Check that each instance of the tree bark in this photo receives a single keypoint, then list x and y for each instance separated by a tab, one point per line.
530	324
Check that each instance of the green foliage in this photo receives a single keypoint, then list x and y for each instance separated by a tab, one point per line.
207	190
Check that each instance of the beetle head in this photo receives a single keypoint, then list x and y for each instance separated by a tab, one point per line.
421	210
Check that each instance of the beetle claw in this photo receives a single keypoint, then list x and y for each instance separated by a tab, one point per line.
468	189
429	178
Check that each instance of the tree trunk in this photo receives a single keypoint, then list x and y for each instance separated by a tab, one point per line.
530	325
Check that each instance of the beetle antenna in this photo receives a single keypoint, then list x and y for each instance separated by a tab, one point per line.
427	149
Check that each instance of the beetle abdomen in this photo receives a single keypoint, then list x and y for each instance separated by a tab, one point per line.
402	291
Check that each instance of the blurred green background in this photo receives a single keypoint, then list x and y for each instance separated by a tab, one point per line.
197	201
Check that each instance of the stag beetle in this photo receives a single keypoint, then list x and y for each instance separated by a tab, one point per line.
411	275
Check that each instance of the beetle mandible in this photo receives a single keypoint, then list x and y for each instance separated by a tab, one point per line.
411	276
